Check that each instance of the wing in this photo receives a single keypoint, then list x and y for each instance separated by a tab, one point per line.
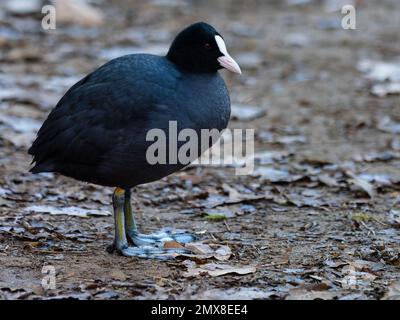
97	113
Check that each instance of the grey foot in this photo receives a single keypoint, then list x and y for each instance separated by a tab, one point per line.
149	252
158	239
161	245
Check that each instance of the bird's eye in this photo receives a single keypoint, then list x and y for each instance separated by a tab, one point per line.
207	46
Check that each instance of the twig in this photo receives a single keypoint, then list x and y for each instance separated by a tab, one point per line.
227	226
368	228
380	222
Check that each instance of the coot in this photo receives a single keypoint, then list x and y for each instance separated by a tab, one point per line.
98	131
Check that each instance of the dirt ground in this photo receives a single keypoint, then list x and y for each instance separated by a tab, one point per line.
318	219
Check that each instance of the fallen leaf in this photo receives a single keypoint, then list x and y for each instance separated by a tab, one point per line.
380	179
117	274
223	253
375	156
199	248
386	124
235	196
203	251
364	185
328	180
382	90
234	294
172	245
380	70
395	144
216	270
290	139
269	157
393	292
246	113
19	140
275	175
69	211
19	124
334	264
394	217
305	294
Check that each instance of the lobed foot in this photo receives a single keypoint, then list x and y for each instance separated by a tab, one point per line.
164	244
149	252
159	238
153	246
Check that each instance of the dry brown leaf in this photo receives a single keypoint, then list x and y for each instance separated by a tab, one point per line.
69	211
236	197
172	245
204	251
117	274
216	270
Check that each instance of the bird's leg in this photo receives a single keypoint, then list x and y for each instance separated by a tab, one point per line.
120	241
130	223
155	239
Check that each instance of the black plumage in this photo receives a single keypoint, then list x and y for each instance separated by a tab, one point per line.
97	131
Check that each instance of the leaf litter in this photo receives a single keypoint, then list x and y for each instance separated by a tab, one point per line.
69	211
216	270
320	209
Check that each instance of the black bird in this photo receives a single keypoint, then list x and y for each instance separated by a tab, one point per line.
97	131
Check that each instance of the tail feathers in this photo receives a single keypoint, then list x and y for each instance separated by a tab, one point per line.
31	150
43	167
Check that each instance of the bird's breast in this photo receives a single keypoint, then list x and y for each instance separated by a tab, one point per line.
204	102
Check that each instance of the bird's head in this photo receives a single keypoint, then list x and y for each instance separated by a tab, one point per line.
201	49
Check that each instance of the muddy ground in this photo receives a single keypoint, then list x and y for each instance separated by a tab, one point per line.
320	216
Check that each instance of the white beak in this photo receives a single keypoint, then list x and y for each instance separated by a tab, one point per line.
226	60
